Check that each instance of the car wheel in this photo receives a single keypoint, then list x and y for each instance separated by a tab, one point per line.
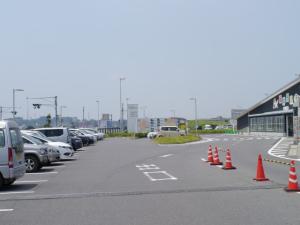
9	183
1	181
32	164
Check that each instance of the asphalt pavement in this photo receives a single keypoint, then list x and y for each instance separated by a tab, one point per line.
136	182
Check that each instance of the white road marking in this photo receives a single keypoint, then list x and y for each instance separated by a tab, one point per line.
147	167
204	160
53	166
6	210
30	181
45	173
16	192
220	166
165	156
166	176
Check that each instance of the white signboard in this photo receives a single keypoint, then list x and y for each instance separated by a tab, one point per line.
133	114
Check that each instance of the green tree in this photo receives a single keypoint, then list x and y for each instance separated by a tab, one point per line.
49	119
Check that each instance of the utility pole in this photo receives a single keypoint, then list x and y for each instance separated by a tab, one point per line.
83	116
98	104
56	114
14	102
121	105
196	112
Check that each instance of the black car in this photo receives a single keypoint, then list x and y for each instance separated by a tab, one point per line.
76	143
85	140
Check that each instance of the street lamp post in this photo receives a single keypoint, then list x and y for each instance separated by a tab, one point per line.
14	102
121	104
98	106
196	112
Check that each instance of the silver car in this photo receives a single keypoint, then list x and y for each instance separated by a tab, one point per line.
53	154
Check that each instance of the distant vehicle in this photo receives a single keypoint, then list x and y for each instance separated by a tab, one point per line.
65	150
228	126
84	139
152	135
12	159
60	134
87	131
219	128
169	131
208	127
92	138
76	143
100	136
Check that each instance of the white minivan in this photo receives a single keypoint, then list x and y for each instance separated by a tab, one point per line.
12	163
58	134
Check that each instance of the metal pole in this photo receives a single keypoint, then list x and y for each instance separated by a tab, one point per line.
83	116
1	110
27	108
196	117
121	119
98	103
14	110
56	114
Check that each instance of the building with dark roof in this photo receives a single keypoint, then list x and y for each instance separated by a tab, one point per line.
274	114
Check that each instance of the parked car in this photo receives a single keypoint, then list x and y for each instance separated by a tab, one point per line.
53	154
76	143
36	156
66	151
84	138
170	131
100	136
92	138
60	134
208	127
152	135
12	159
85	131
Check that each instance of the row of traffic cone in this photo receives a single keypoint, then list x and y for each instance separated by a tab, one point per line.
214	160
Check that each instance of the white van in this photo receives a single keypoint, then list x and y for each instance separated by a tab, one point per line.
170	131
57	134
12	163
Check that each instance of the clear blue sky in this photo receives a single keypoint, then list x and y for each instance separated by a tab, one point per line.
226	53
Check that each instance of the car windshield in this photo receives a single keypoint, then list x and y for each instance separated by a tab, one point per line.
43	140
33	140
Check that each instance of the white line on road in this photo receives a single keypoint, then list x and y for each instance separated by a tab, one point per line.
30	181
204	160
45	173
166	175
16	192
6	210
165	156
53	166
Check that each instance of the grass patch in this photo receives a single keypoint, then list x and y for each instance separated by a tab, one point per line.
120	134
177	140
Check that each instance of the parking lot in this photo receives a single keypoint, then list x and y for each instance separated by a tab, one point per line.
126	181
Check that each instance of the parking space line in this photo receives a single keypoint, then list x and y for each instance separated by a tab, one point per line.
45	173
16	192
167	176
6	210
49	167
165	156
204	160
30	181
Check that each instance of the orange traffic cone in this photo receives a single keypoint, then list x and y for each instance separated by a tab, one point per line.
228	165
216	161
293	181
210	157
260	176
